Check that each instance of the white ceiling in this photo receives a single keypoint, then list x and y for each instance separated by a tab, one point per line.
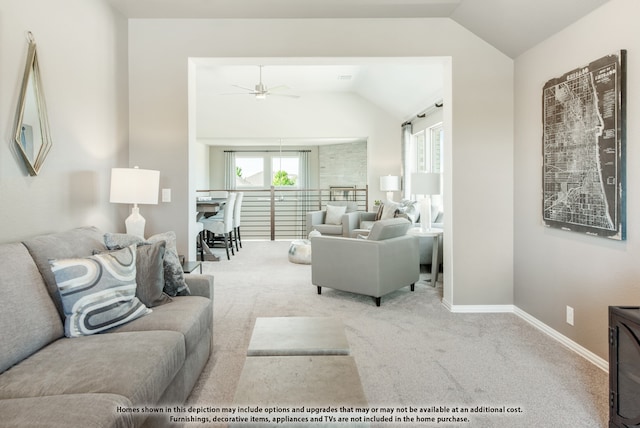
512	26
403	88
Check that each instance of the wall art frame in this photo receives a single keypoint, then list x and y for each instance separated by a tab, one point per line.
584	149
31	130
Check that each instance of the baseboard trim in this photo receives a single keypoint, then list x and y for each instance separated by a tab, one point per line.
597	361
480	309
594	359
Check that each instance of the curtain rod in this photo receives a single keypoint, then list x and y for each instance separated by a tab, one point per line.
426	112
267	151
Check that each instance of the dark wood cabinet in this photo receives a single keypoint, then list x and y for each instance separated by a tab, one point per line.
624	366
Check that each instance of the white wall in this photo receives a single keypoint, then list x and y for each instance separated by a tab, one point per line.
555	268
82	52
478	112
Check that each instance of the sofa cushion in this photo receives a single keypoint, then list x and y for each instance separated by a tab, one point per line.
329	229
367	224
189	315
98	292
28	319
63	411
390	228
113	363
79	242
150	274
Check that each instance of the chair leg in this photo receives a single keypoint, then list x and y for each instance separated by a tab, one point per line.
235	238
226	245
201	245
378	301
230	235
413	287
238	236
319	289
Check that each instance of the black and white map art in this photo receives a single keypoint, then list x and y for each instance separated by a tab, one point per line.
583	177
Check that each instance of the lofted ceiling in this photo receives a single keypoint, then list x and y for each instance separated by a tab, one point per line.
512	26
402	88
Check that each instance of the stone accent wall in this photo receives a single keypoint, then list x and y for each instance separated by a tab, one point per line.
343	165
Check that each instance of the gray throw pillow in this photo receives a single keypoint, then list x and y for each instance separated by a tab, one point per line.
174	283
150	274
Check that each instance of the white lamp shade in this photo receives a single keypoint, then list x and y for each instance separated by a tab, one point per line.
389	183
134	186
425	183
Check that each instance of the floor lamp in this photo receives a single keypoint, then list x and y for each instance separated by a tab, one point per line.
428	184
134	186
389	184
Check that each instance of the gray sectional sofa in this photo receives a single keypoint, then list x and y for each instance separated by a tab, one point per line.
108	379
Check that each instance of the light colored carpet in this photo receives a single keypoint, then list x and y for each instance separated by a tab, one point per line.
410	351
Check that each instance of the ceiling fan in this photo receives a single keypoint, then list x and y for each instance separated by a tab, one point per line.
260	91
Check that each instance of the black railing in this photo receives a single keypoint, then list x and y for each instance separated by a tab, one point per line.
278	213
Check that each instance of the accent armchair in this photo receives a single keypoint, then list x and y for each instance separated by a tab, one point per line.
387	260
332	220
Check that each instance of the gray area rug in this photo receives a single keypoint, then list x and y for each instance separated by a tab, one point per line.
410	352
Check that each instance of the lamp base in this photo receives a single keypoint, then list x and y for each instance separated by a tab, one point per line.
135	223
390	196
425	214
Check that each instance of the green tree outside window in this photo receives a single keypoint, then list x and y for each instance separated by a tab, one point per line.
281	178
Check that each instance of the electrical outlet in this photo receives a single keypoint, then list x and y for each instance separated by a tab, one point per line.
166	195
569	315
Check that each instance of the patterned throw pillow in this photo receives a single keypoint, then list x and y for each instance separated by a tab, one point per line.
174	283
379	213
98	292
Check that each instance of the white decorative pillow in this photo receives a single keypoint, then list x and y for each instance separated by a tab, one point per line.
389	210
98	292
334	214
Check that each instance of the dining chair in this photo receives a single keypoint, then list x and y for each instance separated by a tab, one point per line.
222	228
237	212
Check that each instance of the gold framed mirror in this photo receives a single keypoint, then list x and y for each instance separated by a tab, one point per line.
32	134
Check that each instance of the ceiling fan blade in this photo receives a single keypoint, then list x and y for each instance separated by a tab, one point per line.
245	88
279	87
238	93
283	95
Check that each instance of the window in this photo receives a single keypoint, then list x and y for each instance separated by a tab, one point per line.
436	135
249	171
428	149
285	170
262	170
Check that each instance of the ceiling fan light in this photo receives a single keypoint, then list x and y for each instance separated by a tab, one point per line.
261	96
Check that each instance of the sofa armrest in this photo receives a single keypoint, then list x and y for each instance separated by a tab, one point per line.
200	285
350	221
313	218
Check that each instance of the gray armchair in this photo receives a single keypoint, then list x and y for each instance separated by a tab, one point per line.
348	221
384	262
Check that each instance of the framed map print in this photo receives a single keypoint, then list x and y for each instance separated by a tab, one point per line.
583	172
